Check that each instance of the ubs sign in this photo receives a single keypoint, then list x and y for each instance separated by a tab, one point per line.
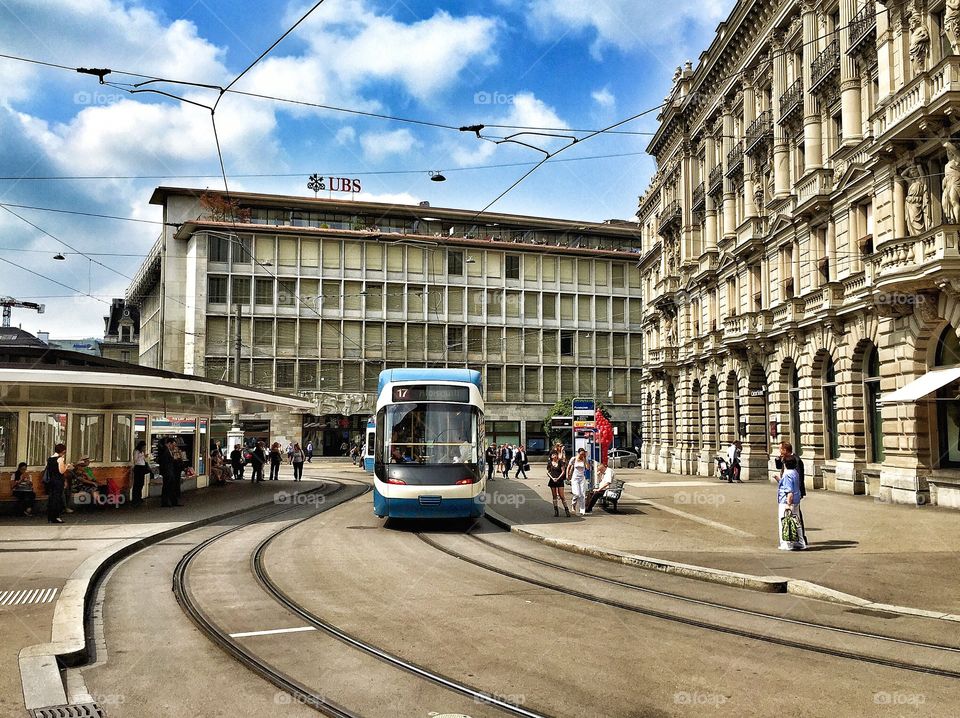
319	183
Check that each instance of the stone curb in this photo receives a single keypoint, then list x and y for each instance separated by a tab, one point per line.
40	664
765	584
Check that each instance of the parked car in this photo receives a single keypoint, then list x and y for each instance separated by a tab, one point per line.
621	458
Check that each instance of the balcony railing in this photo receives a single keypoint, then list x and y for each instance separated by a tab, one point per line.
791	100
672	212
699	196
735	159
825	64
863	27
759	129
716	180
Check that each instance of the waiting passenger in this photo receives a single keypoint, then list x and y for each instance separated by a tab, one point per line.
605	477
237	462
23	490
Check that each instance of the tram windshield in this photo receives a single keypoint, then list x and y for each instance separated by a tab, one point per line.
431	433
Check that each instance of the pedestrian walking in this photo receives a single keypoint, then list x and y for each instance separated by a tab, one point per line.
257	459
237	462
604	481
490	456
290	453
276	458
309	451
297	458
733	461
555	472
141	467
22	488
53	481
577	470
505	456
520	461
560	450
786	451
789	521
168	458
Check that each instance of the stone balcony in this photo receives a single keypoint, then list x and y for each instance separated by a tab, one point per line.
813	190
734	160
905	264
662	358
715	184
927	95
758	131
670	217
699	197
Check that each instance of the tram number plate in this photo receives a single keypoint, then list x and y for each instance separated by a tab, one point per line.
432	392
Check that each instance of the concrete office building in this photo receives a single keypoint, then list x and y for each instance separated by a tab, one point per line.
331	292
801	247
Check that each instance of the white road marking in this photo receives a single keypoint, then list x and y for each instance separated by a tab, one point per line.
693	517
27	596
273	632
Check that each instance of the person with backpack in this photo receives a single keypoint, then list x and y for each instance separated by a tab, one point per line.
297	458
789	524
577	476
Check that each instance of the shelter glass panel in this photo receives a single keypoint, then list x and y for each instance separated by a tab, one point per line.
87	439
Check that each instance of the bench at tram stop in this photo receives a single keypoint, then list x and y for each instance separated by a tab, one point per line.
122	476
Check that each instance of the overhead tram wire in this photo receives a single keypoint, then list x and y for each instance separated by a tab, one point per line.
101	73
55	281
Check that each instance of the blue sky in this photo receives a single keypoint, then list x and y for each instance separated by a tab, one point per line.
563	63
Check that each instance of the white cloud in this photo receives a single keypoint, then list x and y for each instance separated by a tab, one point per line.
358	46
525	111
604	98
380	145
628	24
345	136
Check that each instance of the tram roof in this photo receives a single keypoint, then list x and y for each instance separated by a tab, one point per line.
466	376
34	374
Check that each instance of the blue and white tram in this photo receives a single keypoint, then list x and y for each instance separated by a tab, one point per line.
429	444
369	444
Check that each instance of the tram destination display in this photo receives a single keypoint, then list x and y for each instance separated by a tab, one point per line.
432	392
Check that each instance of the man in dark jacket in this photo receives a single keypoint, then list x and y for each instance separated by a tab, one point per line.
257	459
491	457
170	468
786	451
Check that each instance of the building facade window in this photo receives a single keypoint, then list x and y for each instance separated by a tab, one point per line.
793	400
948	407
512	266
216	289
455	263
830	424
871	395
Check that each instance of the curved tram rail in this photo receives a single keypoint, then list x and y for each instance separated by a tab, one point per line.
300	691
697	623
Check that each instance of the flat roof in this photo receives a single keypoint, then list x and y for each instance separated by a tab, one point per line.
319	204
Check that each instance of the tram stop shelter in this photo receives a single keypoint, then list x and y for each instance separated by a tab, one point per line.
101	409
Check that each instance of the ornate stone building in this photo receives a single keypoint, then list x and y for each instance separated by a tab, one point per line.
801	249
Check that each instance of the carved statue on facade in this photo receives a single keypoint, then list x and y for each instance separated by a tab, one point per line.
917	205
951	24
950	198
919	42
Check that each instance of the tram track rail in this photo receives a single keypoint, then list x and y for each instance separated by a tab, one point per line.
301	692
771	638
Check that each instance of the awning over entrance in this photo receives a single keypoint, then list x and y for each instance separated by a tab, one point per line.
924	386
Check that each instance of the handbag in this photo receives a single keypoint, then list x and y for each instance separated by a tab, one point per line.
789	527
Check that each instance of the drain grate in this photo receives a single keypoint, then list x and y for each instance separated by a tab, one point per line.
73	710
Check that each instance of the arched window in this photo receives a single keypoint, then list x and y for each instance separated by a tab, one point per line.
696	413
832	438
948	407
715	390
871	400
672	413
656	417
794	400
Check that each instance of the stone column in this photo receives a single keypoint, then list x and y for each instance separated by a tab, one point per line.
781	145
849	82
885	48
729	191
749	115
831	251
812	127
899	211
851	423
710	205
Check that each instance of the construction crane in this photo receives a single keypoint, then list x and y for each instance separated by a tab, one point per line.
8	303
